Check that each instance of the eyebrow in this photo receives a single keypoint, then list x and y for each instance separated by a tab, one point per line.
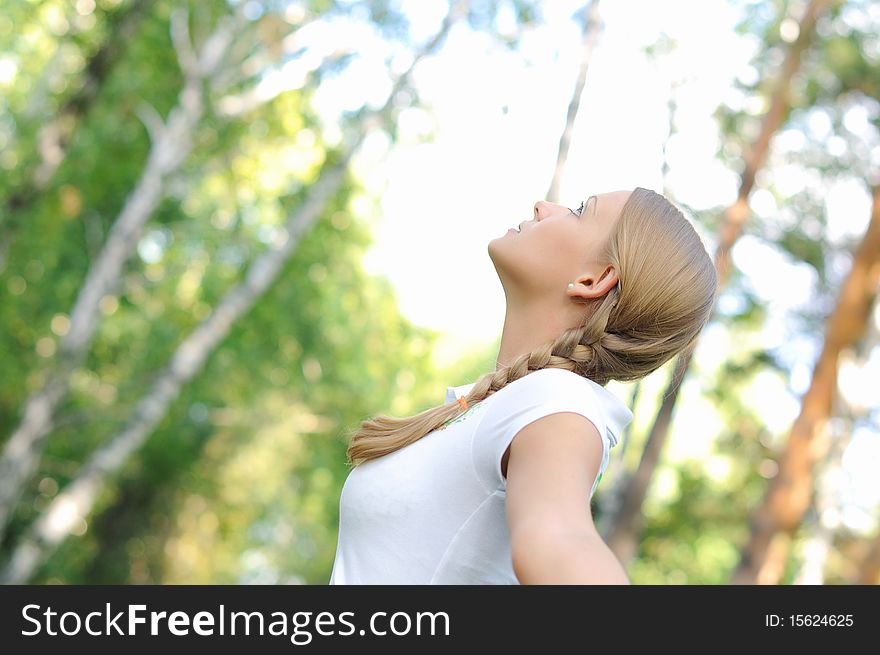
595	204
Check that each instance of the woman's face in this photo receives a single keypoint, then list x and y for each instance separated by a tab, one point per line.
559	245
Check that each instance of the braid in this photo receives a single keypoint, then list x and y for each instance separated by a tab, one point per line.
670	283
583	350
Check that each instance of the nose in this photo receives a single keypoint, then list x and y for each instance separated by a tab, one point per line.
543	209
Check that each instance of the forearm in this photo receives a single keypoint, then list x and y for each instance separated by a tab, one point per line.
566	559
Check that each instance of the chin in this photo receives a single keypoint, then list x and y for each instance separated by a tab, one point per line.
493	246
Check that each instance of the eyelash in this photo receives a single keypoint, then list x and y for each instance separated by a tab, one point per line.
580	209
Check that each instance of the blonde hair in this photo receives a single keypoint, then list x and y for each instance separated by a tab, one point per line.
666	295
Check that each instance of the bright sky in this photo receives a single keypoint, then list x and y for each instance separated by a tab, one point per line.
497	118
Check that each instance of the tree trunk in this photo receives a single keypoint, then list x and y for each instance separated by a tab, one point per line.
55	136
627	524
615	499
869	571
818	545
612	498
172	143
626	527
788	494
75	502
589	36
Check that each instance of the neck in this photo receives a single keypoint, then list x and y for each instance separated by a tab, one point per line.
527	326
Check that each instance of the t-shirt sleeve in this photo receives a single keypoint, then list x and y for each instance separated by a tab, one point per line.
538	394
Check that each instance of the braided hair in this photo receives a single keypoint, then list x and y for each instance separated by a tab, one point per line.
665	297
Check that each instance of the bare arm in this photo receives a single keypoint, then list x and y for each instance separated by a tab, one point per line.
551	468
550	558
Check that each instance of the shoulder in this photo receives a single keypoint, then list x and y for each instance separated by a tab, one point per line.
552	377
550	383
556	402
562	420
569	401
545	391
552	467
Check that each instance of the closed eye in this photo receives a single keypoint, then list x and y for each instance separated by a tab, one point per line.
580	210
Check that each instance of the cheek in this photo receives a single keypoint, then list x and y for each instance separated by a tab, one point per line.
551	254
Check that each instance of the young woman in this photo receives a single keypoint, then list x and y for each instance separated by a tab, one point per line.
494	486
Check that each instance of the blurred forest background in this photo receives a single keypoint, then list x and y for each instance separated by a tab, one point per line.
188	332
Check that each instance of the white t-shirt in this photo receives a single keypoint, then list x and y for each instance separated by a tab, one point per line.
433	512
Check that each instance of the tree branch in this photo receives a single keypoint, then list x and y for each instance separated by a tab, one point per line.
75	502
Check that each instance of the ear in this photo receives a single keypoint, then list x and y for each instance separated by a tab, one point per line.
592	285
